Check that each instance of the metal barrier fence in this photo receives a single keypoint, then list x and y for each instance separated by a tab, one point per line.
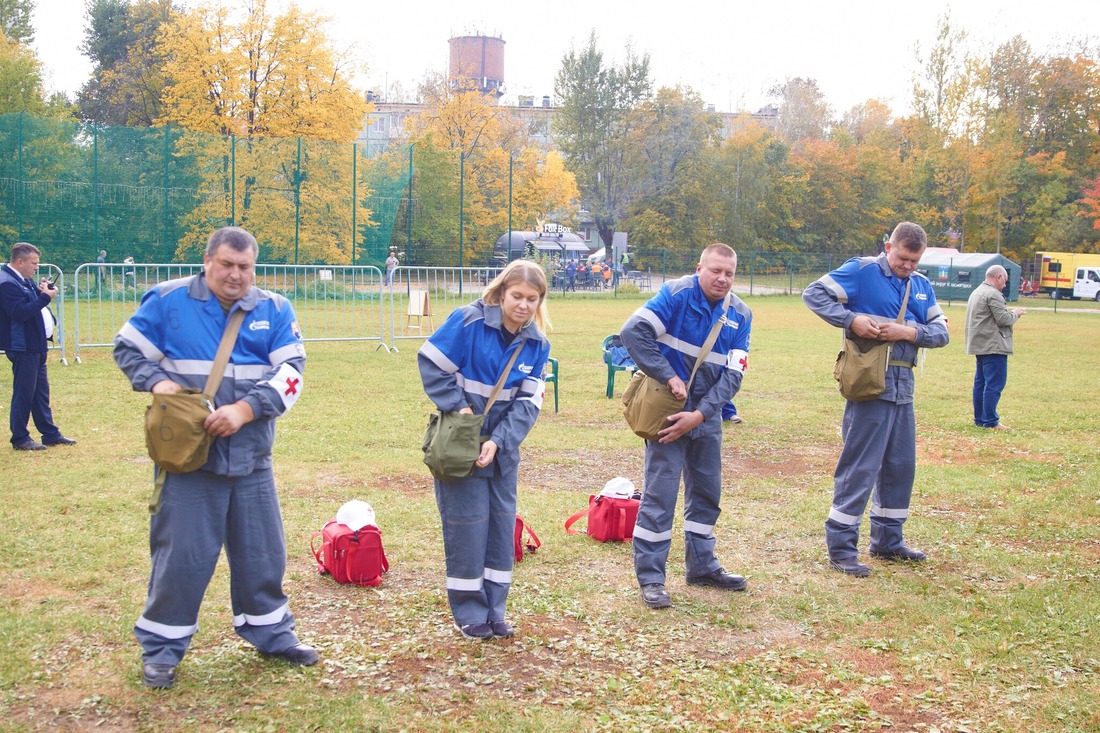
356	303
333	303
424	296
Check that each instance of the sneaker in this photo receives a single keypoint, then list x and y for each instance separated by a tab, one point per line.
654	595
502	629
29	445
476	631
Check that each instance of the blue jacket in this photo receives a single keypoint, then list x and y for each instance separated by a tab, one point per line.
461	362
867	286
665	335
175	335
21	324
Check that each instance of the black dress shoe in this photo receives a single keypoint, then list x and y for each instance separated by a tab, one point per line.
719	579
60	440
158	676
655	596
851	566
29	445
900	553
299	655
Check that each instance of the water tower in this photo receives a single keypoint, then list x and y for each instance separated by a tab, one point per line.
480	61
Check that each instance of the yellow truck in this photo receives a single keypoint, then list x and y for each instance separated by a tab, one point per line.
1054	271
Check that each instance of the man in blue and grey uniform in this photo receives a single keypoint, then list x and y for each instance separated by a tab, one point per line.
664	337
863	296
167	345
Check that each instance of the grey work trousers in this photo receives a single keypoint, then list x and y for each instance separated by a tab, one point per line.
879	456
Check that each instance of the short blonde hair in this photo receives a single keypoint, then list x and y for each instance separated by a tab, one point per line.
520	271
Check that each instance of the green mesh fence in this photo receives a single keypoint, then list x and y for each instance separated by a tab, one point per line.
155	194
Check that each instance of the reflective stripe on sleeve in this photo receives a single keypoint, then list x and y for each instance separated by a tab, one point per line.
144	345
437	357
833	287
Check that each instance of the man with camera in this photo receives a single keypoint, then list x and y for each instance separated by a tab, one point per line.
24	307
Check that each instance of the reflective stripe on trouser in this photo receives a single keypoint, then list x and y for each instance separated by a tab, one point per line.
698	458
200	512
479	522
879	454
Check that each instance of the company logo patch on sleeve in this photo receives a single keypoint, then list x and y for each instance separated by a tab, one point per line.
296	330
738	360
287	381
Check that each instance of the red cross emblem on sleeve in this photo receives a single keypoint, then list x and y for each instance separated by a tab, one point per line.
744	363
291	387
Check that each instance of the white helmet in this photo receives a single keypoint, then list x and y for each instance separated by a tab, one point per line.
356	514
618	488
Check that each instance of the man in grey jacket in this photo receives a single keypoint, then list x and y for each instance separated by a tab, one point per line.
989	338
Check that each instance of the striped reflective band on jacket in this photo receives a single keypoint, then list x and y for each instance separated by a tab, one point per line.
685	348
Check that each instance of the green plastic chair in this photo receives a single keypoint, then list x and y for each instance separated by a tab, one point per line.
612	367
552	377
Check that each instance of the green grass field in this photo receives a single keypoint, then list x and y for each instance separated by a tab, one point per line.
997	632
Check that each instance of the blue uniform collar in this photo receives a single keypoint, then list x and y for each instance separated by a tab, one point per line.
199	290
494	318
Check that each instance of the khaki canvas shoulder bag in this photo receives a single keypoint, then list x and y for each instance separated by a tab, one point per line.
174	433
452	440
860	369
648	403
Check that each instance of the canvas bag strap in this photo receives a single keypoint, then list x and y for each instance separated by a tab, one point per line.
225	348
904	302
709	343
503	376
901	319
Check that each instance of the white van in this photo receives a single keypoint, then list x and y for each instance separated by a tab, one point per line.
1086	284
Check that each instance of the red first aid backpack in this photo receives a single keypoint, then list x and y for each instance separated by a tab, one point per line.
532	542
610	519
350	555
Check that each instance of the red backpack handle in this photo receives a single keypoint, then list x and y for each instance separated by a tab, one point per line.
584	512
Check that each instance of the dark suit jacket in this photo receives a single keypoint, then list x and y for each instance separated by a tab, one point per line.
21	324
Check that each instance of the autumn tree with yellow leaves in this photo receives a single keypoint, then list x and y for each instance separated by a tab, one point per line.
279	112
463	134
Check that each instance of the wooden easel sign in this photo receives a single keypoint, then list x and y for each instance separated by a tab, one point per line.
420	307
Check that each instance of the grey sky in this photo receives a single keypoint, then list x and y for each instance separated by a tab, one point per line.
731	52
